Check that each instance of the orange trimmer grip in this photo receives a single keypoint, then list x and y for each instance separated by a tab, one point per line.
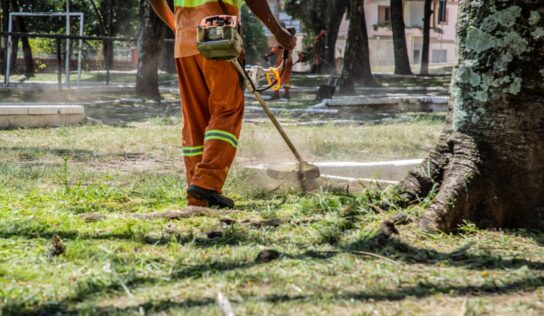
275	72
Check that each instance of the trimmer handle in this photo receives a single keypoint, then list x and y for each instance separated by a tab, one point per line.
292	31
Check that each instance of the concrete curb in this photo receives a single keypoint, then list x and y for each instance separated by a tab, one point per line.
40	115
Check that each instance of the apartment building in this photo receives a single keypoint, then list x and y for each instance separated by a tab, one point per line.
378	20
442	37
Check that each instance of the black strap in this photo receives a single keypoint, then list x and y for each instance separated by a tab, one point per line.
223	7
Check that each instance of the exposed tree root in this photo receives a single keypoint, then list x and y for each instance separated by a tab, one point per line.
388	229
421	180
453	167
459	190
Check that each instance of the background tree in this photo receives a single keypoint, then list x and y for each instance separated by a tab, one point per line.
20	26
150	42
167	62
317	15
336	15
427	14
255	41
489	164
4	8
402	63
357	57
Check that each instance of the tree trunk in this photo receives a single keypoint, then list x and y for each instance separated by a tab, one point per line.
357	57
402	63
14	55
427	12
27	50
3	40
167	62
150	40
489	164
2	56
335	20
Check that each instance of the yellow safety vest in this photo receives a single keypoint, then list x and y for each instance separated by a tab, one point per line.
196	3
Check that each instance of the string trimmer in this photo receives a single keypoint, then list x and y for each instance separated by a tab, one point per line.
218	38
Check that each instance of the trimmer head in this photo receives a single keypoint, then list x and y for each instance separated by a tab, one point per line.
306	174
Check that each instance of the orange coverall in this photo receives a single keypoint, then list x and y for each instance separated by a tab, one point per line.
212	101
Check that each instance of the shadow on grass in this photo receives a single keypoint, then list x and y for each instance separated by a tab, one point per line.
395	249
229	238
33	154
406	253
537	236
421	290
122	114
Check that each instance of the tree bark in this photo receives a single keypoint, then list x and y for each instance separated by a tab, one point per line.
427	13
357	57
402	63
335	20
27	49
150	42
3	40
14	53
488	167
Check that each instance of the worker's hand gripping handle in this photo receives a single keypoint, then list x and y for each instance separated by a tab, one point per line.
286	52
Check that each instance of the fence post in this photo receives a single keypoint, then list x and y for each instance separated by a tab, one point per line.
59	63
109	54
5	25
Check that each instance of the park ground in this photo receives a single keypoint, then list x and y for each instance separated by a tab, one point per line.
96	184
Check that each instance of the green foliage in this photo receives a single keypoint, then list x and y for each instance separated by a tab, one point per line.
124	19
255	40
313	13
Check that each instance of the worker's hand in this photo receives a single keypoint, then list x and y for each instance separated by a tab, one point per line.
285	39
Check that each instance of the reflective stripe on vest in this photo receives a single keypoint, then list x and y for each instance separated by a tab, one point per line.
196	3
193	151
215	134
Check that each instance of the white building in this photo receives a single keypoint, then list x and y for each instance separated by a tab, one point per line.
377	14
442	46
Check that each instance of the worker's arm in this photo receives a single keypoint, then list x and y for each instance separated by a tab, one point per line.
261	9
164	12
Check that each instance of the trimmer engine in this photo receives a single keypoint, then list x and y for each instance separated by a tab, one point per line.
218	37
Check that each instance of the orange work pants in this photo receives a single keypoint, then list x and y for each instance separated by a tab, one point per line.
212	111
286	76
287	70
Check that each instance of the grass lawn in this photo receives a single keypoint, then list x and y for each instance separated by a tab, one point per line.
116	77
120	262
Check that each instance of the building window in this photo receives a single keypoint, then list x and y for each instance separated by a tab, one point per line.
417	56
442	12
439	56
384	14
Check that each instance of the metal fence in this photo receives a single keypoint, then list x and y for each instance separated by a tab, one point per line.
75	60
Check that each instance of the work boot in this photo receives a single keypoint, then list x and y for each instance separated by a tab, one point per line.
213	198
275	96
286	95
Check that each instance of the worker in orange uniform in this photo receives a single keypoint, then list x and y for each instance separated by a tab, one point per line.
286	71
212	95
318	51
